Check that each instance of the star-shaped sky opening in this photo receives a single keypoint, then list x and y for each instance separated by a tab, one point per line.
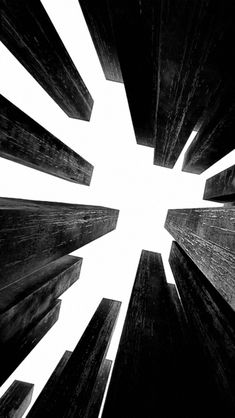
124	178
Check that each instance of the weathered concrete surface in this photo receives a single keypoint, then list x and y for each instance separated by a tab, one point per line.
35	233
212	321
99	23
17	349
207	235
27	31
97	395
221	187
23	302
50	389
152	359
26	142
16	400
79	376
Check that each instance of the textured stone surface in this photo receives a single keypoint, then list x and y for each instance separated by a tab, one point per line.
26	142
26	300
17	349
99	23
207	235
35	233
79	376
212	321
97	395
152	359
16	400
50	389
29	34
221	187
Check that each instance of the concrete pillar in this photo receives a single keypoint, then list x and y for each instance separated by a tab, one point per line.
27	31
16	400
221	187
207	236
17	349
26	142
35	233
211	320
26	300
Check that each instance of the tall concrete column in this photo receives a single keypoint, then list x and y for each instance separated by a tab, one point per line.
16	400
94	405
26	142
35	233
18	348
212	321
221	187
76	383
151	370
25	301
27	31
50	389
207	236
100	25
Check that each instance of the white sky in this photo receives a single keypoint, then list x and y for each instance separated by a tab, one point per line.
124	178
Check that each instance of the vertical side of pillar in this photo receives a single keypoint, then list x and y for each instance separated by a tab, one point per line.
16	399
27	31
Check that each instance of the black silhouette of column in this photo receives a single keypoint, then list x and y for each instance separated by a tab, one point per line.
136	29
99	23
